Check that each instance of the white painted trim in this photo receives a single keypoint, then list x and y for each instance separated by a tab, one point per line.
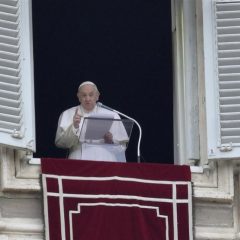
128	197
61	204
27	73
118	205
175	221
126	179
186	119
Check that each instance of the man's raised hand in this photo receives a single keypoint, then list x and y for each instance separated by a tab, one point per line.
76	119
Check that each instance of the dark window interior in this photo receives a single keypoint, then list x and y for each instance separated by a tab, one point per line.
124	46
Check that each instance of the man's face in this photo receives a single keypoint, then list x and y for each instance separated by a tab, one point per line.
88	96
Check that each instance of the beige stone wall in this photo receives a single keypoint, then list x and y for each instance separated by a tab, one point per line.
21	211
216	199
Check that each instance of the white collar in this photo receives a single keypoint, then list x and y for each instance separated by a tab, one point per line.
87	113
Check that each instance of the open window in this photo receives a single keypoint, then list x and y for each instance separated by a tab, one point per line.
17	128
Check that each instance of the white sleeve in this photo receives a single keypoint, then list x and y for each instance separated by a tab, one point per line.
66	135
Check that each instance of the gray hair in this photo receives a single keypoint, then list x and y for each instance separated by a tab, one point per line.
88	83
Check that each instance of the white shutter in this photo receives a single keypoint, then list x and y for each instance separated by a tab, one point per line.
221	42
17	126
228	36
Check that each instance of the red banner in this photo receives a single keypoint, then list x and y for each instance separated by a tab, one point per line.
90	200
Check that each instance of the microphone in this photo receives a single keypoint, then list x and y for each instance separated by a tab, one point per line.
99	104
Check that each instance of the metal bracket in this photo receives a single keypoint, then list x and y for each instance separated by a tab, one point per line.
17	134
226	147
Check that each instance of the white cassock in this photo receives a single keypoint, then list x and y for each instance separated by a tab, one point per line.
69	138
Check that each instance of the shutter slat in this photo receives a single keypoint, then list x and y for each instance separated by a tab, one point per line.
10	110
10	118
232	15
9	64
9	103
229	100
229	84
4	129
9	48
8	32
9	71
230	116
229	76
229	92
228	22
225	38
9	40
229	46
9	56
8	17
4	79
230	6
231	108
228	132
10	87
9	126
228	30
9	2
8	25
8	9
230	139
230	124
10	95
228	53
229	61
229	69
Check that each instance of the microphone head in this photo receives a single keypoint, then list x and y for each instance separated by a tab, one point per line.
99	104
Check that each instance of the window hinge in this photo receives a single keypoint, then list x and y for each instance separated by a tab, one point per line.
226	147
17	134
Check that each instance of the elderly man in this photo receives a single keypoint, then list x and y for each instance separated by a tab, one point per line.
69	129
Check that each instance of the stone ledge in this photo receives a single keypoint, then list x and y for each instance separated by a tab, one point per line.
31	226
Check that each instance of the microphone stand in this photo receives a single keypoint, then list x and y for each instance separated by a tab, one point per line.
139	127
